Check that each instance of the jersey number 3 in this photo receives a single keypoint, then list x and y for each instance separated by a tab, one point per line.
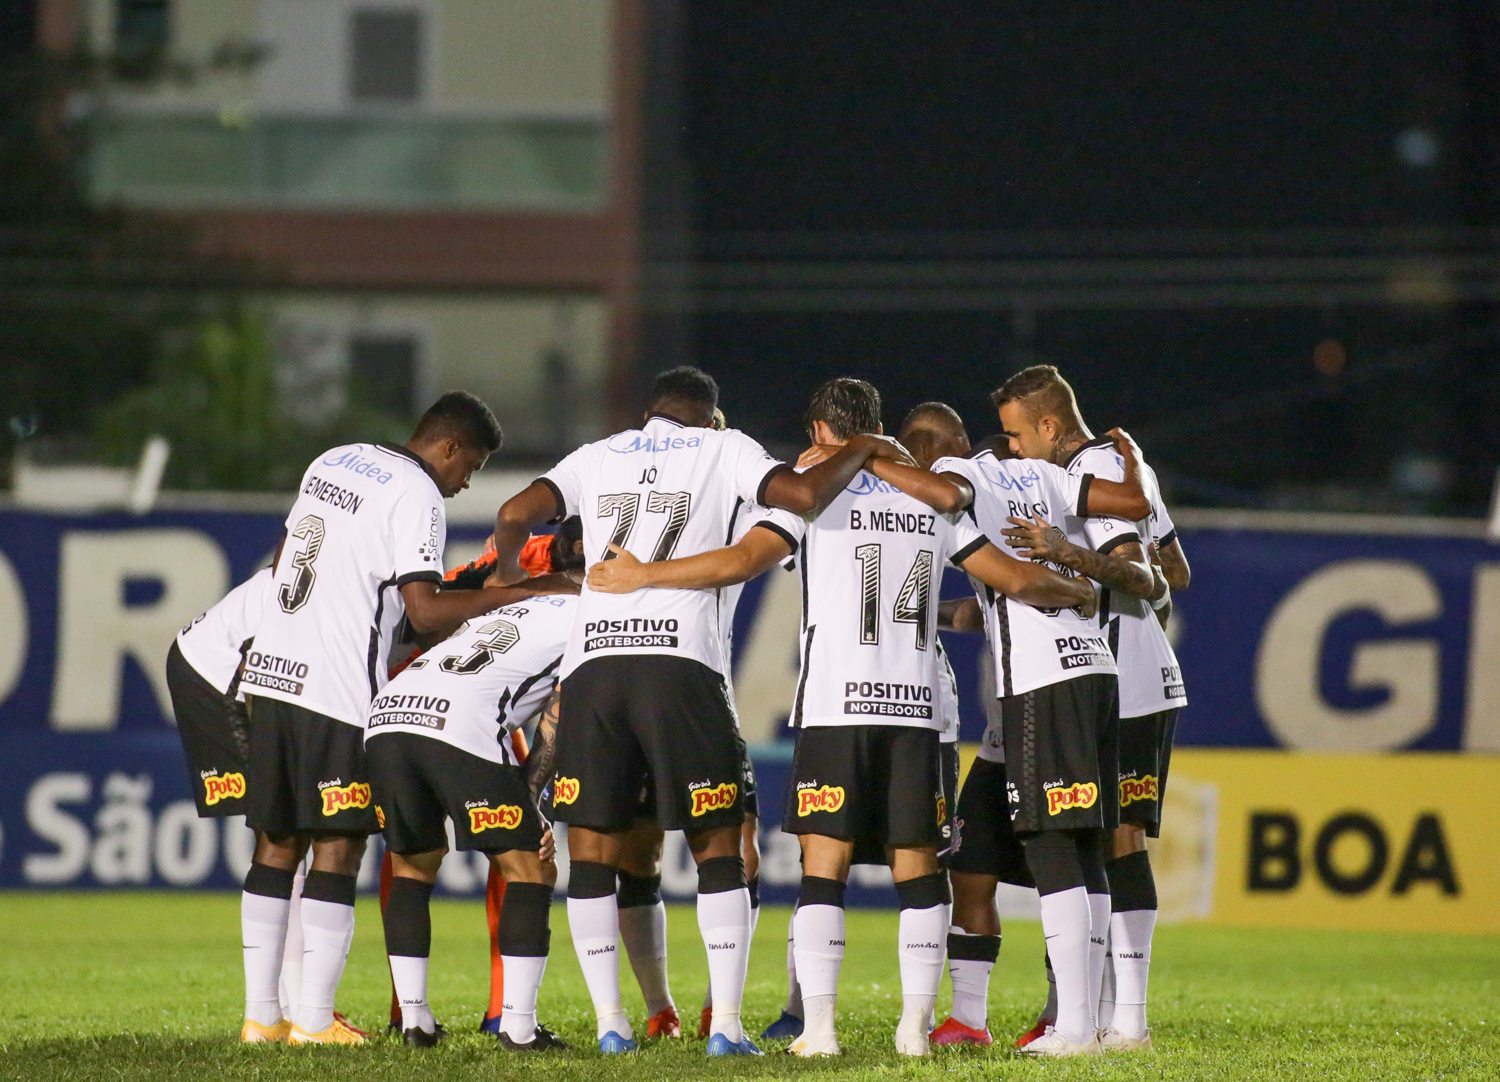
501	636
912	604
293	595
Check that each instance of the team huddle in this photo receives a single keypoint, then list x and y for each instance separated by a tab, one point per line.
580	672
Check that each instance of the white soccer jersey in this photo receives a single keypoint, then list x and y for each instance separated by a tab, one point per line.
947	696
660	492
1150	678
214	643
871	566
992	743
1033	647
746	518
483	682
368	520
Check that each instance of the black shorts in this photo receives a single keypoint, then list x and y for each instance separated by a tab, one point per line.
984	843
628	724
215	733
307	772
1062	755
873	784
948	807
1145	755
418	782
748	795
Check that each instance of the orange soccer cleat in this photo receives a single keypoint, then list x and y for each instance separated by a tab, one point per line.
664	1023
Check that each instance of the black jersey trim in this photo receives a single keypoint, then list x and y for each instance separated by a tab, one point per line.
1104	602
1115	542
1097	441
374	655
234	684
1083	495
1114	639
1002	621
767	524
562	504
418	576
765	482
520	693
958	558
664	417
734	516
412	456
1163	542
802	677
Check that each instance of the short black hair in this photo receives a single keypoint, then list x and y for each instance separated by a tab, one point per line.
462	416
849	407
934	415
685	385
569	533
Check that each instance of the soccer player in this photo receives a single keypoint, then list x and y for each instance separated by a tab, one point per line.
868	563
1040	415
644	696
1058	709
438	747
364	547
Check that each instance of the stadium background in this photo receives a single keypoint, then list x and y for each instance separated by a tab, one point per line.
1262	240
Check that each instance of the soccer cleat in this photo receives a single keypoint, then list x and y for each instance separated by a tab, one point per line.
338	1016
543	1040
417	1037
612	1043
491	1026
1112	1040
954	1032
255	1033
1053	1043
816	1044
786	1028
720	1045
705	1022
664	1023
339	1032
911	1040
1038	1030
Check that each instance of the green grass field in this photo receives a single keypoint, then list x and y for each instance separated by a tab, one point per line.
125	986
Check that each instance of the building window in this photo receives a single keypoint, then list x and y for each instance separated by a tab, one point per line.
383	373
142	25
386	55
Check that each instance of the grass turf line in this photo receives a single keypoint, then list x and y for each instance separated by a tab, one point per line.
148	985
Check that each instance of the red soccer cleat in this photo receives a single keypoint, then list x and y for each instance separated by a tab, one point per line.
705	1021
664	1023
954	1032
1038	1030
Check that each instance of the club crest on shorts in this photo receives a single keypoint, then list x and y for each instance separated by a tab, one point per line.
217	787
565	791
812	797
337	798
709	797
483	817
1133	789
1061	798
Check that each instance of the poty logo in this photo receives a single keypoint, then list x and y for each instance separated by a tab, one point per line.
825	798
565	791
1078	795
217	787
505	817
942	809
706	799
337	798
1143	788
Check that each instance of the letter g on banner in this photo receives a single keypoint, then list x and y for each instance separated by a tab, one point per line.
1291	652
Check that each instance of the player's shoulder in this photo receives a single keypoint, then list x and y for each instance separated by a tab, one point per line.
377	467
1096	453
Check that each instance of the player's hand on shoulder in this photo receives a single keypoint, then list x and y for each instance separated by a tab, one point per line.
1123	439
1036	539
622	575
818	452
887	447
559	582
548	850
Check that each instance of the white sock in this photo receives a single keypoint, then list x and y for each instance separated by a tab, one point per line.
819	947
1049	1011
290	986
1107	988
724	922
643	930
793	988
1131	934
595	924
327	931
922	935
971	987
410	974
1099	908
1065	924
523	979
263	923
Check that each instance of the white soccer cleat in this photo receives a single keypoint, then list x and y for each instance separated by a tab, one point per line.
1053	1043
1112	1040
912	1041
818	1038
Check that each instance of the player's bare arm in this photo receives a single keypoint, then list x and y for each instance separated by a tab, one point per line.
814	489
518	516
1031	583
1123	568
430	609
542	758
946	493
755	553
960	614
1174	566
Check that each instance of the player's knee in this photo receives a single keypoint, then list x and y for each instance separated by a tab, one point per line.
340	854
1131	883
715	843
1129	838
638	890
1052	857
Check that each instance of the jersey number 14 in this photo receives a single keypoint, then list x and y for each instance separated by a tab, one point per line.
913	603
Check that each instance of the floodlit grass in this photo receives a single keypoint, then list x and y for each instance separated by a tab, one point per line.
125	986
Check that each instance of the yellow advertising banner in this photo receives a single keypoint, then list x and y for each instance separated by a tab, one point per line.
1405	841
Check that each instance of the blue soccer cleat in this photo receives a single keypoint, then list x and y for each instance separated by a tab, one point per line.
490	1026
786	1028
612	1043
720	1045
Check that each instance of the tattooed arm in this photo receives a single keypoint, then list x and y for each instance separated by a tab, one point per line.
542	758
